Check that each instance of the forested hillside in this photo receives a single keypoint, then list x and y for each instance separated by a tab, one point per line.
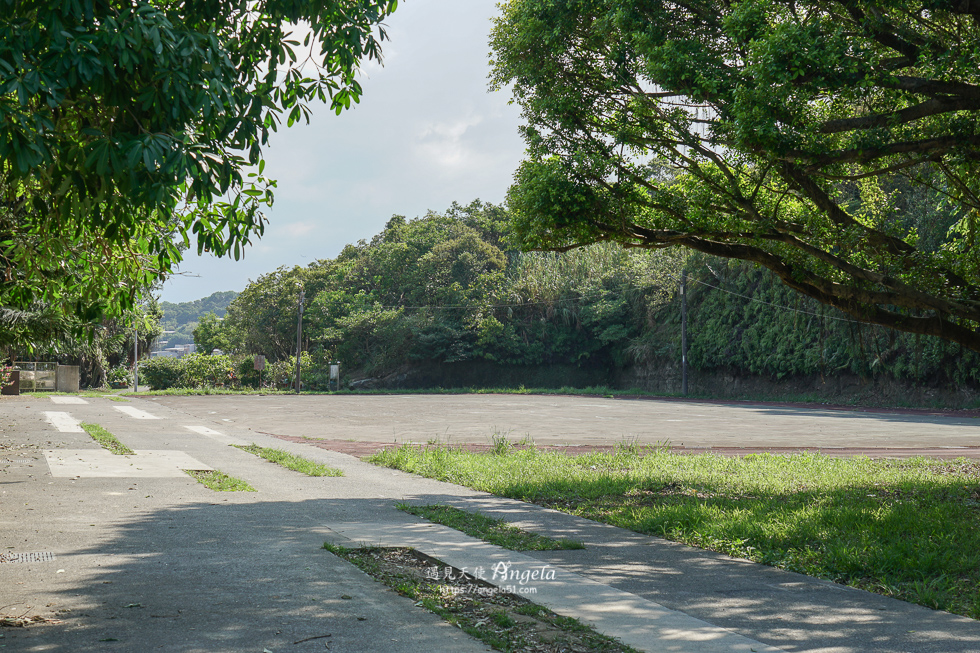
445	289
750	335
182	318
444	300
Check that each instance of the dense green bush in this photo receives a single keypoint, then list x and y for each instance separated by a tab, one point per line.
119	376
743	318
246	374
191	371
230	371
161	373
203	370
282	374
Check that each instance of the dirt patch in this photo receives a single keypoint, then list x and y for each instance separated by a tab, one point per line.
505	621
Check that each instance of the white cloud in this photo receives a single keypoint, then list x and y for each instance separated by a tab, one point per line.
446	145
297	229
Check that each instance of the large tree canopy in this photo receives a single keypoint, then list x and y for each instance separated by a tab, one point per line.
835	142
128	127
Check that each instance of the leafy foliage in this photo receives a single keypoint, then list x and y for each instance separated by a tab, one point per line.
834	143
441	289
128	128
225	371
400	303
208	335
191	371
181	319
743	319
45	332
161	373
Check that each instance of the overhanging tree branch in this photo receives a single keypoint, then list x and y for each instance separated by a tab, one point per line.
853	184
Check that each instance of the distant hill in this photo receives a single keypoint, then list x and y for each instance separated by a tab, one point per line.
182	318
177	315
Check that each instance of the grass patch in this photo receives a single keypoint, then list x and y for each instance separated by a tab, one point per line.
210	390
590	391
107	440
488	529
94	394
902	528
219	481
290	461
504	621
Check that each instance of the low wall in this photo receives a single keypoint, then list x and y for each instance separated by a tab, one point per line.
485	374
664	377
68	378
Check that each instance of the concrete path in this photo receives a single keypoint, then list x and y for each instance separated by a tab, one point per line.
139	563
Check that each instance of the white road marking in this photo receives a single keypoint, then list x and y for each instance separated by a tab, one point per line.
63	422
98	463
59	399
214	435
203	430
135	413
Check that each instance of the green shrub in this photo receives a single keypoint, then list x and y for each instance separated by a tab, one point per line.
119	376
202	370
282	374
246	373
317	378
161	373
191	371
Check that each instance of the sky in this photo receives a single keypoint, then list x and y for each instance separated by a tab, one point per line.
427	133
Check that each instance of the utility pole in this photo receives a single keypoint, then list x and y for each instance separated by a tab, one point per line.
684	333
136	358
299	337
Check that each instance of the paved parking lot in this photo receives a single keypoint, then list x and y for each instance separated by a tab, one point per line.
128	553
565	420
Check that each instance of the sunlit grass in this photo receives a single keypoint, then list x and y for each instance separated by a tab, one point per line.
219	481
903	528
488	529
290	461
107	440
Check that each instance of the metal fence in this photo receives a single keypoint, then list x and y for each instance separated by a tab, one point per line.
36	377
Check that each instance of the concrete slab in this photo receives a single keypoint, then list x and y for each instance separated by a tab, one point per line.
62	421
98	463
214	435
61	399
135	413
164	564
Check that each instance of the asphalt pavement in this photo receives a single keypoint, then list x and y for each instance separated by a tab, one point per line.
128	553
584	421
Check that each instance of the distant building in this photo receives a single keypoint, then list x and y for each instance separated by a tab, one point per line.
174	352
